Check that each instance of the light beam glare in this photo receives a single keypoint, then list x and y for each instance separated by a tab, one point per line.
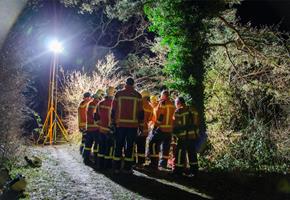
55	46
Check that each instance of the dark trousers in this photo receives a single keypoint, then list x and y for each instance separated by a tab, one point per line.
141	145
185	146
83	133
105	154
159	141
90	140
125	138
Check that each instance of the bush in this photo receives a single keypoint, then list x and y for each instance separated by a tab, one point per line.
11	115
106	73
247	96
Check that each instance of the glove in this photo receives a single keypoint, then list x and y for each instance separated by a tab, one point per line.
155	131
82	130
112	131
140	130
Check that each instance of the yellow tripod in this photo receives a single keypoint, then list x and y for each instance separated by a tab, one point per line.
52	124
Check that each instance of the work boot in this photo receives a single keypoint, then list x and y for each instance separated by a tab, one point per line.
163	169
88	162
116	171
128	171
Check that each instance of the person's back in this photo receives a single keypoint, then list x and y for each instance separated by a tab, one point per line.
144	128
127	106
186	120
82	114
91	109
162	132
127	114
104	112
106	142
165	112
82	118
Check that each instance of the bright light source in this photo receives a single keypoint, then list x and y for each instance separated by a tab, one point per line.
55	46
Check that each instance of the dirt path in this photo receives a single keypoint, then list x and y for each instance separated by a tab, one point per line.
64	176
71	179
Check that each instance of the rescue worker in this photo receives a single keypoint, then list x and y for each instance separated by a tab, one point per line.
160	136
92	129
144	128
186	130
154	104
106	142
127	114
153	101
82	118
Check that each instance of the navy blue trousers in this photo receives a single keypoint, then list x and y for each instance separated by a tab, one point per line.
124	139
159	141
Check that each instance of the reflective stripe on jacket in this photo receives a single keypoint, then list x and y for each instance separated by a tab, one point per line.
186	122
92	125
164	114
104	114
127	109
82	114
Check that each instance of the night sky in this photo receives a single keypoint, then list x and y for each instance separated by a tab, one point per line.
266	12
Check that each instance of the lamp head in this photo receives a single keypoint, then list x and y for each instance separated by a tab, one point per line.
55	46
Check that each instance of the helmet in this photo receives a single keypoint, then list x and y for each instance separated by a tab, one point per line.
145	93
153	98
87	94
180	100
98	94
130	81
164	94
110	91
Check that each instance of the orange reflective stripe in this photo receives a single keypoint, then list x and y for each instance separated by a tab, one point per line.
147	110
165	126
165	157
104	128
129	159
83	106
127	120
179	159
105	107
116	158
92	125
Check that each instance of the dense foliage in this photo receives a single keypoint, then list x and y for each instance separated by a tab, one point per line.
108	72
243	73
12	106
247	96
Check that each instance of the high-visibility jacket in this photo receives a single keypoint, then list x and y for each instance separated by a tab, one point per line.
82	114
153	119
127	109
164	115
186	122
104	114
148	114
92	125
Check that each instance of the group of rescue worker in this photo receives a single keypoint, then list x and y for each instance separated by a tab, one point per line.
127	129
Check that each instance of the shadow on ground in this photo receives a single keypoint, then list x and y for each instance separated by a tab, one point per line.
152	188
206	185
